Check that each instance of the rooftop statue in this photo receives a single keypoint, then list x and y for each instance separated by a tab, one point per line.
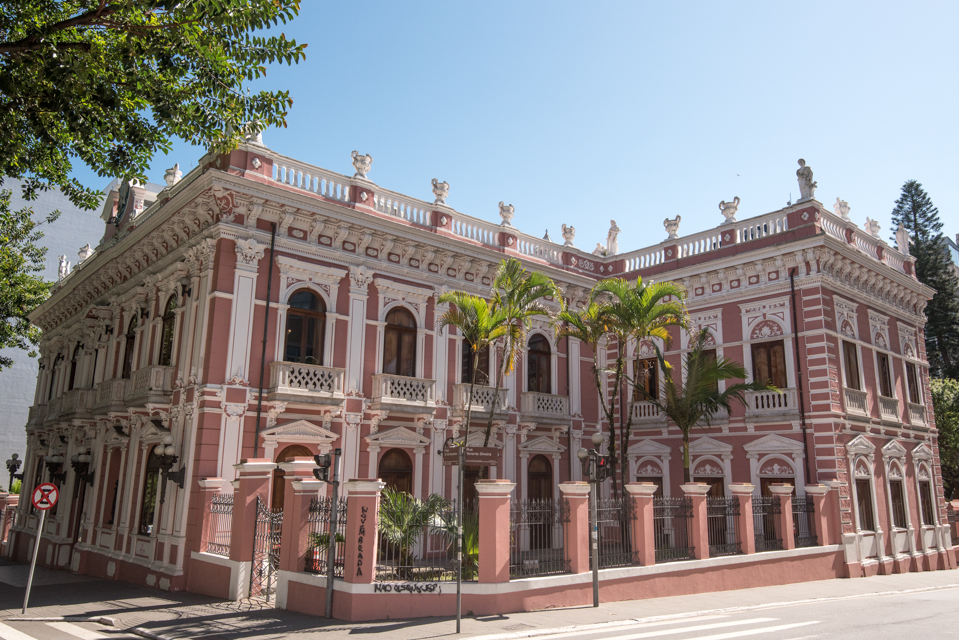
440	190
729	210
807	188
672	226
842	209
506	212
362	164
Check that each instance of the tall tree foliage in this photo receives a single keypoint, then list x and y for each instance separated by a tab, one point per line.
945	405
915	211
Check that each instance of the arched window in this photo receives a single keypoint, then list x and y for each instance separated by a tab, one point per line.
396	470
399	347
73	366
305	328
166	333
538	367
128	352
151	480
482	368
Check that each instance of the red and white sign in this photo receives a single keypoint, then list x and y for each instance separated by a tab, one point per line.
45	496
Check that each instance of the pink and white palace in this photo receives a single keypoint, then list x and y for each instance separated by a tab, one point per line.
183	463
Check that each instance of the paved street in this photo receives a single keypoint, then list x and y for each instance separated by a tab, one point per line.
909	605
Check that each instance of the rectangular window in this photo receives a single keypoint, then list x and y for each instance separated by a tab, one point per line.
709	355
482	369
885	375
851	364
925	499
646	373
898	504
864	498
769	363
912	383
151	481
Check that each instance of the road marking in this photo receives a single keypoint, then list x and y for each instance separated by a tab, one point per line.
9	633
77	632
753	632
641	625
698	627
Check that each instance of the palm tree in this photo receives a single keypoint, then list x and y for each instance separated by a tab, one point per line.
403	519
519	295
480	325
645	310
698	398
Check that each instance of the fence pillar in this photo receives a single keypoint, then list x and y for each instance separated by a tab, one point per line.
833	508
699	529
785	491
299	491
577	543
252	481
362	515
747	529
494	538
209	487
644	540
819	493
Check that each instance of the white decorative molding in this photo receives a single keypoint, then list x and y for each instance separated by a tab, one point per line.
248	254
893	449
879	330
766	318
847	322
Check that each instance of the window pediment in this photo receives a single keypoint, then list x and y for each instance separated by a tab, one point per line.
774	444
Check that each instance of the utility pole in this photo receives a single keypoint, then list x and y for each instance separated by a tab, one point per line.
596	468
325	462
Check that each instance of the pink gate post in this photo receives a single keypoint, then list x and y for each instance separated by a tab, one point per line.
747	531
784	491
494	538
643	525
699	531
577	543
252	481
821	515
362	515
301	487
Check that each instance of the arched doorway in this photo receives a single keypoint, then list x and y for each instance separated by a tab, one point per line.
287	454
396	470
540	478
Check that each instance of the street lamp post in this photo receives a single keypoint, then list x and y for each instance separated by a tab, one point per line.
12	465
596	468
167	458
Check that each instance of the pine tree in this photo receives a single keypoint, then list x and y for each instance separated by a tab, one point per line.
915	211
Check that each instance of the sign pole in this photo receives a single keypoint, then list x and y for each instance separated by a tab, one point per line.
594	539
334	518
461	455
33	562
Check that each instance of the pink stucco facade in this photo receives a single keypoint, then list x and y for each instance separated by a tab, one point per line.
124	369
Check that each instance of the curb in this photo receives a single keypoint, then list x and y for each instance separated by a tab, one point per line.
104	620
143	633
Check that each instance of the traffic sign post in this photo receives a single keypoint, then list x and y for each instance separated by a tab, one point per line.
44	498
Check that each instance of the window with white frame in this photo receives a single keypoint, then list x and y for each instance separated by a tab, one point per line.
885	375
912	383
897	496
850	359
926	503
864	504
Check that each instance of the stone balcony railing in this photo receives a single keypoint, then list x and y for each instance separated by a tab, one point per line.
856	402
483	398
306	382
917	414
760	404
544	406
152	383
53	409
37	414
110	394
889	409
77	402
402	392
647	413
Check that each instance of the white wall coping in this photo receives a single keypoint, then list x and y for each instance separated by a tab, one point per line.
575	488
487	488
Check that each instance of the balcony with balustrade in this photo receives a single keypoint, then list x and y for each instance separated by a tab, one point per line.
403	394
37	414
917	414
152	384
544	407
647	414
857	403
77	403
110	395
771	404
311	383
889	410
484	398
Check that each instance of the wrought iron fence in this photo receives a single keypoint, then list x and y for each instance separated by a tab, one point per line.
615	527
424	550
267	534
537	534
217	535
722	526
767	513
671	521
317	553
804	528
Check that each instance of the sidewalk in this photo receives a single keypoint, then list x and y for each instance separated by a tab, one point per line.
187	615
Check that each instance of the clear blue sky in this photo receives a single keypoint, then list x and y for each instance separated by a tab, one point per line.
580	112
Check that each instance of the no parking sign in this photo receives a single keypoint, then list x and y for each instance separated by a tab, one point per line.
45	496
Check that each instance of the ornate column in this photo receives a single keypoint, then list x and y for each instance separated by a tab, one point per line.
360	279
437	475
509	451
248	255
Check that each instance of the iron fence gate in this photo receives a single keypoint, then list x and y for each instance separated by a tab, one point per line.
317	553
722	525
671	521
767	511
804	529
267	532
615	527
217	536
538	537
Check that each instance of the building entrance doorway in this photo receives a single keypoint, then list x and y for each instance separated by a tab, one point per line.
287	454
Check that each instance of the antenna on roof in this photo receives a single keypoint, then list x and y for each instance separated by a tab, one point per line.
789	204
